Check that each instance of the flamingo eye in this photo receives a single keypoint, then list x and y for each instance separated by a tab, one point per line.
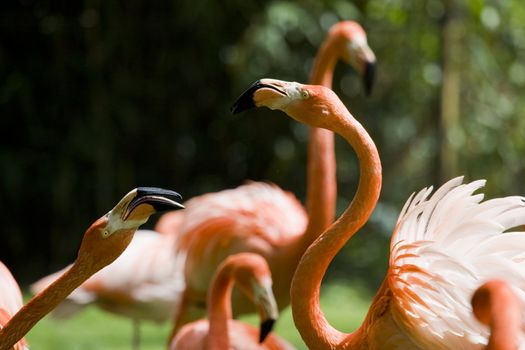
305	94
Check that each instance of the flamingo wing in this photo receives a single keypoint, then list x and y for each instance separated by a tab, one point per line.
256	208
445	245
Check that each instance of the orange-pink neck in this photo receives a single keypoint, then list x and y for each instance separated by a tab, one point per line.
325	61
41	305
220	310
321	191
305	291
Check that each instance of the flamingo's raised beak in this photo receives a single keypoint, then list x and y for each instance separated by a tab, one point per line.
363	59
246	100
138	205
159	199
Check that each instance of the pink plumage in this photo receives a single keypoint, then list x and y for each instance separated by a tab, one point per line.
10	300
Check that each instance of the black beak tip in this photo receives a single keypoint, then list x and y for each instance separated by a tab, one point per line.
161	199
245	101
369	77
148	191
265	329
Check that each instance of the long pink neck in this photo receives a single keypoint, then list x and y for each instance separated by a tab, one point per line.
321	191
220	310
41	305
305	290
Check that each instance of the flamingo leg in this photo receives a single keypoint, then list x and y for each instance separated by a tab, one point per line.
135	345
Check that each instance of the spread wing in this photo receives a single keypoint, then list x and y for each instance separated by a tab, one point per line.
444	247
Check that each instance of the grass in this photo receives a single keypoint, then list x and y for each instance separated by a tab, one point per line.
344	306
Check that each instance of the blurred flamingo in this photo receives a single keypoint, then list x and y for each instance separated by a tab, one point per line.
102	243
260	217
10	301
496	306
144	283
252	275
441	249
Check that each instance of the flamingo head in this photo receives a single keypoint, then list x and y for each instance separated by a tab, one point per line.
252	275
107	238
314	105
485	300
349	40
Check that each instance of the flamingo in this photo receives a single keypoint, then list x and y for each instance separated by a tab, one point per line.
260	217
252	274
144	283
444	245
10	301
102	243
495	305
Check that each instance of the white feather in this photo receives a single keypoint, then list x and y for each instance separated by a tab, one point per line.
444	247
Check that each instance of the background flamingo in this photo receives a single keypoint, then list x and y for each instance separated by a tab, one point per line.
252	217
252	275
144	283
10	300
443	244
495	305
102	243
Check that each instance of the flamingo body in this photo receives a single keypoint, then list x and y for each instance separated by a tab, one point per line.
262	218
443	247
249	218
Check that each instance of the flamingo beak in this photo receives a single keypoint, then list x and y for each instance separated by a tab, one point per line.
138	205
267	306
363	59
246	100
153	200
369	76
265	329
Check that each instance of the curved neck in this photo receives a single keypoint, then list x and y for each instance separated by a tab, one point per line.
324	64
305	290
219	310
41	305
321	190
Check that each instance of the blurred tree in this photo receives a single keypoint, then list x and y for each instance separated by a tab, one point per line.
98	97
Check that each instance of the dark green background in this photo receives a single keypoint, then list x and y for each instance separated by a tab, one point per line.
98	97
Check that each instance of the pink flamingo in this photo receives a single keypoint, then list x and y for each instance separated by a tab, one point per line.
495	305
442	245
10	301
252	275
102	243
260	217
